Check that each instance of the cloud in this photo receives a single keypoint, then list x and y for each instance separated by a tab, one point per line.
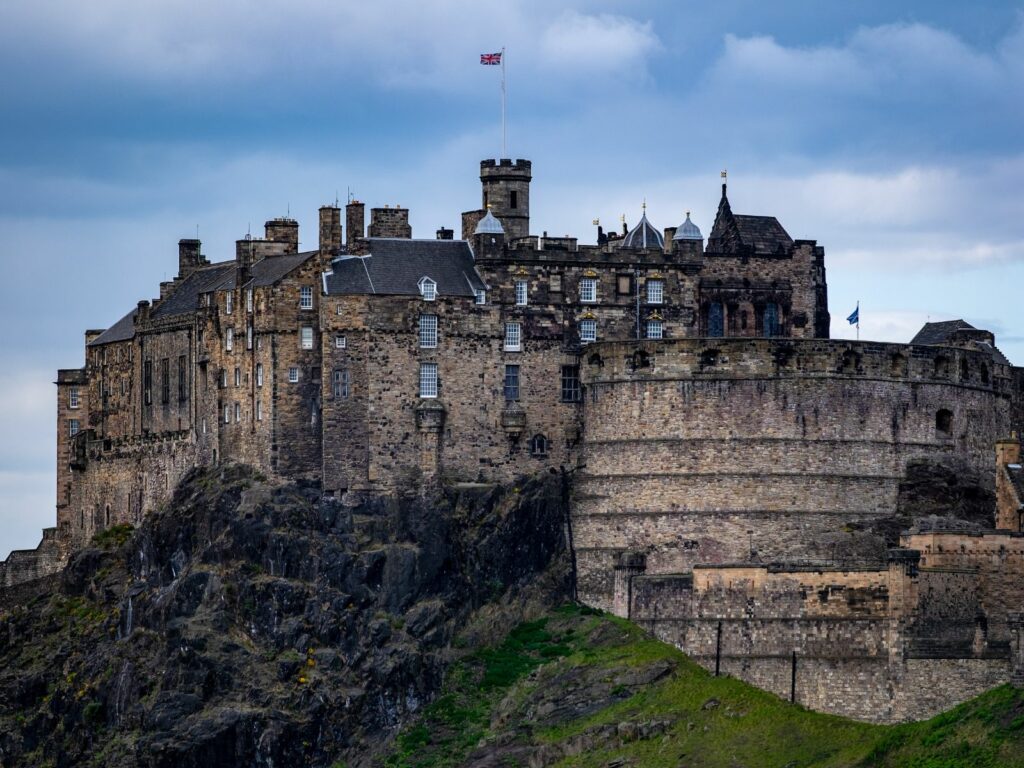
608	43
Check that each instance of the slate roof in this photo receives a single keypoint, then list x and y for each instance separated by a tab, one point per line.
122	330
937	334
643	235
764	233
394	266
212	277
1016	474
733	232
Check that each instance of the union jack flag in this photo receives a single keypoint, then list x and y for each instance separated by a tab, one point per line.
490	58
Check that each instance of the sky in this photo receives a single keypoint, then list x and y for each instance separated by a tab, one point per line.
891	133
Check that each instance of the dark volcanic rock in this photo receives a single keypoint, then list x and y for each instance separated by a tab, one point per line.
252	624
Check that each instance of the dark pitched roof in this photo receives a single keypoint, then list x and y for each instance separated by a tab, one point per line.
1016	475
939	333
122	330
733	233
395	266
273	268
185	298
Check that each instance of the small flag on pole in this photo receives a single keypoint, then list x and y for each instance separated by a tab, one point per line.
490	58
854	318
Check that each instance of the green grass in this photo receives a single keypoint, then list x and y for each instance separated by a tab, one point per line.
113	537
488	693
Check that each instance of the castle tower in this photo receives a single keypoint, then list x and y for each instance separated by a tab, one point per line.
506	192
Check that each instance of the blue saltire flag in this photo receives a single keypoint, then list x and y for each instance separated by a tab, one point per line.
854	317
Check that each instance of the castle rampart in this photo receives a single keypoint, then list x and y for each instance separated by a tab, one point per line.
713	450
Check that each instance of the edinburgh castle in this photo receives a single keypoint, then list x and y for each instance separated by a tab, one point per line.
836	521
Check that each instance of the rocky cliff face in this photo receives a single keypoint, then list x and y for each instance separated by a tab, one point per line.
261	625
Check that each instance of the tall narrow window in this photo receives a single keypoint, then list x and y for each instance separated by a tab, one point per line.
259	410
306	297
539	446
259	374
944	423
238	377
238	412
182	380
428	379
229	303
229	338
570	383
513	199
588	331
341	383
428	331
165	381
73	427
522	293
227	414
307	337
248	337
513	337
74	397
511	382
588	289
771	319
293	374
248	300
223	378
716	319
655	291
655	329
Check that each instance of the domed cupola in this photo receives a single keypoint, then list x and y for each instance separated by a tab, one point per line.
644	235
688	231
489	225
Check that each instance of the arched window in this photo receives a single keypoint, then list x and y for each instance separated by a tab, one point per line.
716	319
771	319
539	445
943	422
984	373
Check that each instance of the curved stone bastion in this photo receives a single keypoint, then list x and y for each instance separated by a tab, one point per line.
730	450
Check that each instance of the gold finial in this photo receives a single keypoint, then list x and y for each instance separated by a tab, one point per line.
597	222
488	206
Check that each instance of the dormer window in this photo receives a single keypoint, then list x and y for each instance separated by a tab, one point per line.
481	296
428	289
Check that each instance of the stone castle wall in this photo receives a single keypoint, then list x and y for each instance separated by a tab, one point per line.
709	450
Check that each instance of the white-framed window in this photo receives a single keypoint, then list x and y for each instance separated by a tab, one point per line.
655	329
248	300
238	412
204	426
428	331
655	291
248	337
74	398
481	296
227	414
223	378
229	338
238	377
307	337
73	426
306	297
340	342
337	309
513	337
428	289
259	410
259	374
293	374
522	293
588	289
428	379
588	330
340	383
229	303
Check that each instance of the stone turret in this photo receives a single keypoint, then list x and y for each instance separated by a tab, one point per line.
506	193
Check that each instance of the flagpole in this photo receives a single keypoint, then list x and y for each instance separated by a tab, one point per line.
504	126
858	319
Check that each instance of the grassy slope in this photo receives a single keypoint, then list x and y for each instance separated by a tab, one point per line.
494	705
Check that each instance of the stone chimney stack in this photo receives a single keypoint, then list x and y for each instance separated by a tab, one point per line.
390	222
189	257
445	234
330	229
355	220
283	230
